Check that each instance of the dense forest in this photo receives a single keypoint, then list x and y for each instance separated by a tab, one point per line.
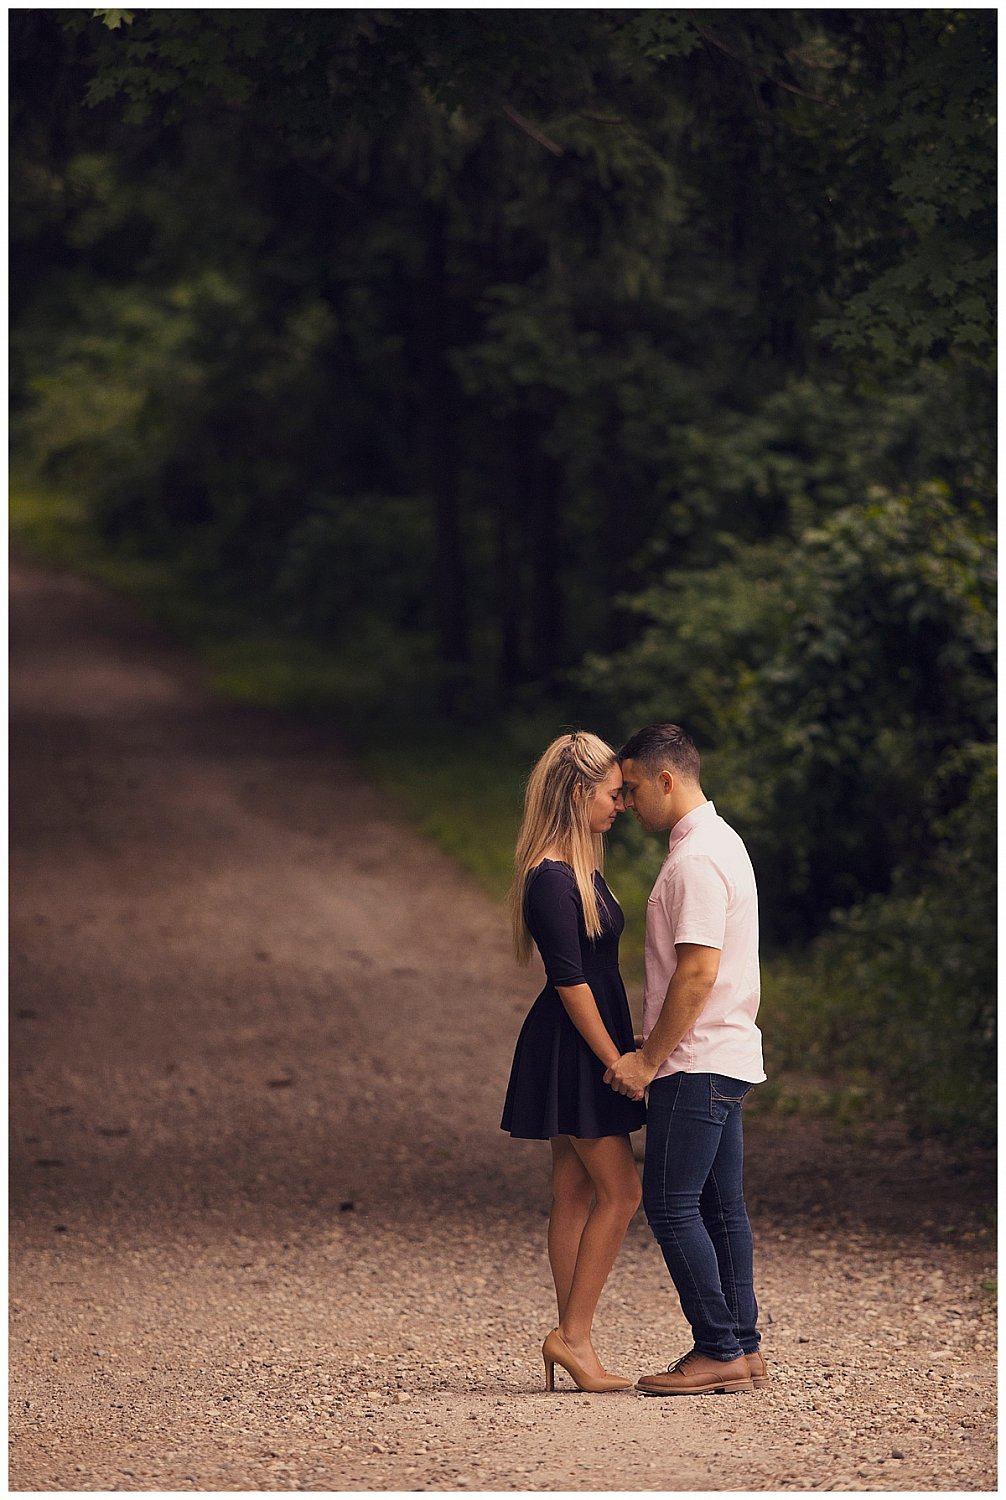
625	364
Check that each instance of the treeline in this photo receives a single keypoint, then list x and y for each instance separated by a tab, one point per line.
632	362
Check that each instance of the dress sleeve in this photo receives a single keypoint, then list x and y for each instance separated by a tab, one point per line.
553	913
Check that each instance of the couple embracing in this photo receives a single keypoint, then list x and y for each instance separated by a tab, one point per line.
579	1081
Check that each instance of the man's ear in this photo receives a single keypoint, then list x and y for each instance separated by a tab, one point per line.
667	782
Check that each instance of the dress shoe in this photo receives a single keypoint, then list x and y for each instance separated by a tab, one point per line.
555	1351
697	1375
758	1370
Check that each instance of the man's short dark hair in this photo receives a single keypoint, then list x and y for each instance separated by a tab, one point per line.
661	747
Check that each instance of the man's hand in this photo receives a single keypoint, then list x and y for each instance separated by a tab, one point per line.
630	1075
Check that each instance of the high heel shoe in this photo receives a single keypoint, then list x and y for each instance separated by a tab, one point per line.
555	1351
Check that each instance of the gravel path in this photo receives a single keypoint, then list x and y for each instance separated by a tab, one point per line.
265	1232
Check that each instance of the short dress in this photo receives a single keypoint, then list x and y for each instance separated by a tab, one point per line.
556	1082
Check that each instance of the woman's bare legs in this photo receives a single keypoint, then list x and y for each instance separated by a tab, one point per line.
610	1170
572	1196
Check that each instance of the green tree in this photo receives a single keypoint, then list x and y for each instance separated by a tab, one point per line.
561	261
833	678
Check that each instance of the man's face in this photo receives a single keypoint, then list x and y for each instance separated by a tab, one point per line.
647	797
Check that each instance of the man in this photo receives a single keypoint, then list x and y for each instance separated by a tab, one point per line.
700	1056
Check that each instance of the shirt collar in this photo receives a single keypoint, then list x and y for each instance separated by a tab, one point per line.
683	826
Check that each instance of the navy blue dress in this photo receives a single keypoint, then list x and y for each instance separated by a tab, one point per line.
556	1082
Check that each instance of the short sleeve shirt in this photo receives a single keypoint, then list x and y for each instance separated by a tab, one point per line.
705	893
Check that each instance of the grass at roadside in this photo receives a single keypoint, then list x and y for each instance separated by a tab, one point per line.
50	527
242	660
465	791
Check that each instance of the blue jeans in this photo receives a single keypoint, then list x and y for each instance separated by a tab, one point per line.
693	1195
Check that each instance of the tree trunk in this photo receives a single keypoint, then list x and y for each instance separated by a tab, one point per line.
509	664
542	508
441	403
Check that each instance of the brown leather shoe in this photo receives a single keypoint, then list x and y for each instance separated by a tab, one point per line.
757	1369
697	1375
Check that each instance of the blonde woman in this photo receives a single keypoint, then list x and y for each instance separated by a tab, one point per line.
577	1028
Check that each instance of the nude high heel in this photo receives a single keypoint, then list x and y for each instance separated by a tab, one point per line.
555	1351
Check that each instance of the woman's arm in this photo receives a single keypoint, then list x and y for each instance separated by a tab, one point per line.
581	1007
554	909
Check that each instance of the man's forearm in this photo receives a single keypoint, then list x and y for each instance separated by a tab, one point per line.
683	1004
690	987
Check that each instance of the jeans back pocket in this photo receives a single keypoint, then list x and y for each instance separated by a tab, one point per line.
726	1094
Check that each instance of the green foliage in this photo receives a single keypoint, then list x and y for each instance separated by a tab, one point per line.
929	123
330	680
833	678
113	19
331	230
103	404
50	525
903	989
356	555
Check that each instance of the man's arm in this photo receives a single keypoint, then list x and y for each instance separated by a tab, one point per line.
689	989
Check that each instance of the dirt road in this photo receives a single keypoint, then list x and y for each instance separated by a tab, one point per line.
266	1234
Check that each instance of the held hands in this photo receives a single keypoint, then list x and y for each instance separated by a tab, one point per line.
630	1075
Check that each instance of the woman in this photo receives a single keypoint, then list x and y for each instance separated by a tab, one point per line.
578	1026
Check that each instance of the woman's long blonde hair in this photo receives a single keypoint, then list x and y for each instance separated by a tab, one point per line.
556	816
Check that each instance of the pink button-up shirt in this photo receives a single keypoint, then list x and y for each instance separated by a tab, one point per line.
705	893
